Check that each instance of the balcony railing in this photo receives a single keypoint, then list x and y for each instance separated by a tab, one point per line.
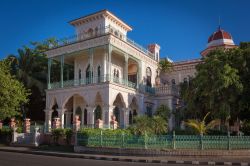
106	30
91	80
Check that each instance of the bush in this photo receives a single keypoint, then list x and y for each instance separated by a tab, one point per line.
68	133
57	133
246	127
5	135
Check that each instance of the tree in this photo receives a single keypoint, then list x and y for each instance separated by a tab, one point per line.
217	86
30	67
201	126
12	93
163	111
149	125
159	125
164	65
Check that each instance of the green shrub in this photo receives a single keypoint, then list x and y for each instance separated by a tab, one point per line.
57	133
68	133
246	127
5	135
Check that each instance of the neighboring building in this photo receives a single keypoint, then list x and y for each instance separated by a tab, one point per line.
103	73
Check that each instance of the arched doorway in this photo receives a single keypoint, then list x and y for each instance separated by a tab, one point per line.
98	113
132	115
133	107
118	111
149	75
79	112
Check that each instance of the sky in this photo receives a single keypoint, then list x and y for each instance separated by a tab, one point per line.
180	27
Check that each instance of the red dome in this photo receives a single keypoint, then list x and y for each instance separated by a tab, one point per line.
219	34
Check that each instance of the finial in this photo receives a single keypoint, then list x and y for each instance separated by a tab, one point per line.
219	24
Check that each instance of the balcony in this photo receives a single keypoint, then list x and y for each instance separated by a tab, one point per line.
105	31
92	80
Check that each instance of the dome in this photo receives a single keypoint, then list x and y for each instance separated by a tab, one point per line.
219	38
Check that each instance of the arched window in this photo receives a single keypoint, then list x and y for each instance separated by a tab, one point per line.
114	72
98	113
99	74
96	31
173	81
185	80
90	32
148	74
116	33
117	73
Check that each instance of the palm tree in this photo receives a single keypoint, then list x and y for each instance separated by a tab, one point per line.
164	65
201	126
159	125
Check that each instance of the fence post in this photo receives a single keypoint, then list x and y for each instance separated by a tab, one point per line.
201	141
145	140
101	139
123	140
228	141
174	146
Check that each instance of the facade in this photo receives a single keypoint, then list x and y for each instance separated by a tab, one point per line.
100	74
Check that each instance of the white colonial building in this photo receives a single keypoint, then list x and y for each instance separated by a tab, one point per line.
100	72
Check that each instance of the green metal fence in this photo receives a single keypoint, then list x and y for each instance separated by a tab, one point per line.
165	141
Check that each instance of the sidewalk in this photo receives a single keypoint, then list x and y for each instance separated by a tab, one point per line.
245	160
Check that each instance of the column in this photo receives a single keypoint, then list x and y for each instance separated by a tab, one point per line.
138	75
68	119
61	116
48	116
91	117
108	112
62	64
109	61
125	73
82	118
49	70
126	117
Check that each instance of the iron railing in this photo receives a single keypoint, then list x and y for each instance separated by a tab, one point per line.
103	31
92	80
165	141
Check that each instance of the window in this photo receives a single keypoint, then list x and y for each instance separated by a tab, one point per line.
185	80
116	33
88	75
148	74
117	73
114	72
80	74
99	73
96	31
173	81
90	32
149	111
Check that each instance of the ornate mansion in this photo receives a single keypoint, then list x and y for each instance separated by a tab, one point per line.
100	72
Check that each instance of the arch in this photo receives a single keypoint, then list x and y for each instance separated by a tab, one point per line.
54	112
148	77
119	101
52	102
98	99
67	98
79	112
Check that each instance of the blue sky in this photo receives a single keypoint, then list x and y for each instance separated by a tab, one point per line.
180	27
